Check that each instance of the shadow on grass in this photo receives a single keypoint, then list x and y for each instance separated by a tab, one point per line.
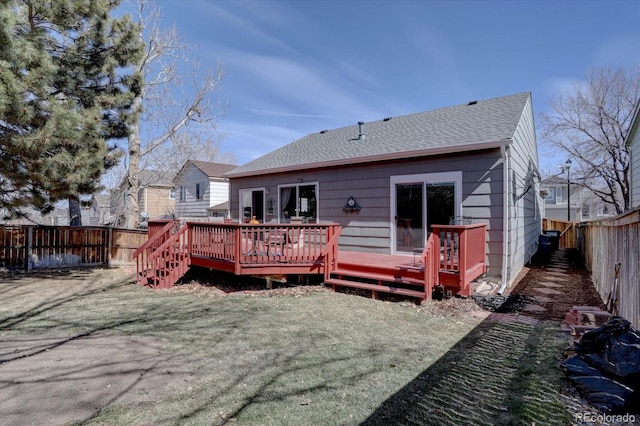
503	372
57	344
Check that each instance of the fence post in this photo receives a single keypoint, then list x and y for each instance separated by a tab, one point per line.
29	252
109	245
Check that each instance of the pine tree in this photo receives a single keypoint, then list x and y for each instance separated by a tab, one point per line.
66	89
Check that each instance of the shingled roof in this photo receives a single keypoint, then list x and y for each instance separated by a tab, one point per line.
212	169
475	125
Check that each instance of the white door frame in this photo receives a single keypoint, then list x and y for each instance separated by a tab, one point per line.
424	179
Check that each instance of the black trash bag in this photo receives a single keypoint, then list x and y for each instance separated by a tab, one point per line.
613	347
622	356
596	339
604	392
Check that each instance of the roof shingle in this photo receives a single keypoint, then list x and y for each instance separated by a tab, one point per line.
445	129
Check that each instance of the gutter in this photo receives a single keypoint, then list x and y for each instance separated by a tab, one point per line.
505	216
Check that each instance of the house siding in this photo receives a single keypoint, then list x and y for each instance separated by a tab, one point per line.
218	192
214	191
370	230
191	206
156	202
634	170
525	203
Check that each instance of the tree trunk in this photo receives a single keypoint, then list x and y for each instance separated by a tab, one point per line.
75	214
131	208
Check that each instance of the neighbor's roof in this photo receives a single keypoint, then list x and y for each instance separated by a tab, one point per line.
211	169
155	178
475	125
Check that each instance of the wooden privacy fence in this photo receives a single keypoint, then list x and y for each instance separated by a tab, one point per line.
567	231
39	247
611	250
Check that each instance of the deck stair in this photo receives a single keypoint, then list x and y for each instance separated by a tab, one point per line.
401	280
163	266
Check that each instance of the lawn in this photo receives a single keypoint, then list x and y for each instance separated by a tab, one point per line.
307	358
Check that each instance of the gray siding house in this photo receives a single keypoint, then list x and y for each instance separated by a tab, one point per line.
386	182
201	190
633	145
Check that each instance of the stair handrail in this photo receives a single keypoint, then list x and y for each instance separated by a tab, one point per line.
328	253
158	253
165	229
431	262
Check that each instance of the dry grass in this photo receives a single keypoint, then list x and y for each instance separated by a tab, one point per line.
294	359
303	357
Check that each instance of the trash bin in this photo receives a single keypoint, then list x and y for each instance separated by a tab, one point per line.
554	235
544	244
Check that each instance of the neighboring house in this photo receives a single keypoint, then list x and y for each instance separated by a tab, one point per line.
156	196
97	212
584	204
202	191
386	182
554	191
633	145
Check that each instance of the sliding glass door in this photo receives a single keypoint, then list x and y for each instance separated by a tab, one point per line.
418	203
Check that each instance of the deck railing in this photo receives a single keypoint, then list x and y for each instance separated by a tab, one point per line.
237	248
462	253
261	243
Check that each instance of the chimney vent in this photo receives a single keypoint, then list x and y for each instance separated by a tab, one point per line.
360	131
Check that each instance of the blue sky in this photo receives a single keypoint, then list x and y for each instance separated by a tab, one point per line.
295	67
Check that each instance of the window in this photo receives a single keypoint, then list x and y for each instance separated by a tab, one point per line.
172	194
198	191
298	201
551	196
183	193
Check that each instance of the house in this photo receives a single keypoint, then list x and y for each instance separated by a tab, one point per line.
96	212
584	205
156	196
202	190
632	143
387	182
555	191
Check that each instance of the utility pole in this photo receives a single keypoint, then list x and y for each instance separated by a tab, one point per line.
568	167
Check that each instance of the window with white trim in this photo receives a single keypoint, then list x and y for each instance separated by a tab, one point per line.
298	201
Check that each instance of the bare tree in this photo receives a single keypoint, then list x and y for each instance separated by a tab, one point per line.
589	123
165	118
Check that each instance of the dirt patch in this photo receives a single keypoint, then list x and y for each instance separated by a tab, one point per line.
204	283
557	290
70	378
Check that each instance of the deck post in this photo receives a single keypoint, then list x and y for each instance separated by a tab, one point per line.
237	250
463	246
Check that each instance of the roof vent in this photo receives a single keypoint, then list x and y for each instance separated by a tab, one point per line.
360	131
472	103
386	119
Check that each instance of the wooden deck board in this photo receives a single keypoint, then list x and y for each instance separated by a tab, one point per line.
384	260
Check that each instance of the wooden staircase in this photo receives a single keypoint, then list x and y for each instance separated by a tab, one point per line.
414	281
161	266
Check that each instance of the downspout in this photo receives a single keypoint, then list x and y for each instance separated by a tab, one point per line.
505	216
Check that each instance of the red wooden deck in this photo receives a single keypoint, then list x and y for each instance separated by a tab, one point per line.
452	258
